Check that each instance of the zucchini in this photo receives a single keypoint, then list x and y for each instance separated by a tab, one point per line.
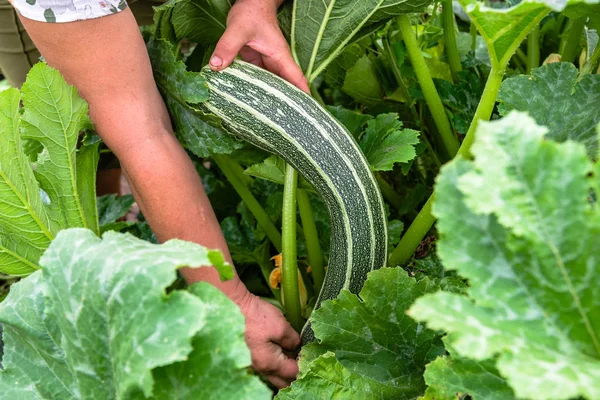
267	111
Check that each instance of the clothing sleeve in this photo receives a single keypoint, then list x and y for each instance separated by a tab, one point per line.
67	10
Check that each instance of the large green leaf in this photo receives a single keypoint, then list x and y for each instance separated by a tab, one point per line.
372	338
181	90
555	99
96	323
518	223
201	21
322	28
58	192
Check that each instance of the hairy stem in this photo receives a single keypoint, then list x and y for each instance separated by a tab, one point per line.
235	175
448	139
289	270
450	39
425	220
311	236
573	41
533	49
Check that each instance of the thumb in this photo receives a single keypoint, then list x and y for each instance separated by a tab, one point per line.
228	47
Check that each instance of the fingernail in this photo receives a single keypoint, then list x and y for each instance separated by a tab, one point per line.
216	61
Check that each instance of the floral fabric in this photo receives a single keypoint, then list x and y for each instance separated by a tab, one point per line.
67	10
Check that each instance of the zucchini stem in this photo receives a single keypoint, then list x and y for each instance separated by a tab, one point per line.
572	44
450	39
235	175
448	139
311	236
533	49
289	271
589	66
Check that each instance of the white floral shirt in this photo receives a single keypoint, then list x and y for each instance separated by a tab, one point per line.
67	10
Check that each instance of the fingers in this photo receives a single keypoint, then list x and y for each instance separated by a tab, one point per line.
252	56
288	338
282	64
277	381
228	47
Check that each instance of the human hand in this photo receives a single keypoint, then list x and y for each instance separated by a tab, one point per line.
268	335
253	32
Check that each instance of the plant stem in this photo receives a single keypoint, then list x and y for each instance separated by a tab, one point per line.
448	139
289	270
391	55
311	236
572	44
473	32
450	39
425	220
235	175
413	236
388	192
533	49
589	66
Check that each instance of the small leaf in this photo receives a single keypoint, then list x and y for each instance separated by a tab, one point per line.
112	207
352	120
385	143
362	82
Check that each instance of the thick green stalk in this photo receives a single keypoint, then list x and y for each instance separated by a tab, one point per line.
450	39
533	49
448	139
289	270
425	220
311	236
589	66
572	44
235	175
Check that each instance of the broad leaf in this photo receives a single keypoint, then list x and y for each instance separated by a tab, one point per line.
362	82
322	29
201	21
181	90
96	323
448	377
59	192
373	338
518	224
555	99
386	143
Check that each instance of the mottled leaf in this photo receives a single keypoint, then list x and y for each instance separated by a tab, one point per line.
518	224
96	323
555	99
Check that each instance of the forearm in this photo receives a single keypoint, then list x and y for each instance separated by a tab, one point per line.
107	61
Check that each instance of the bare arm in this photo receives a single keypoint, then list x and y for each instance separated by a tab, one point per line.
106	60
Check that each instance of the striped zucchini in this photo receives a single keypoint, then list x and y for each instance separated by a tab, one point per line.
270	113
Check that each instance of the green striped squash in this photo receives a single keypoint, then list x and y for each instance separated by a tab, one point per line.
270	113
